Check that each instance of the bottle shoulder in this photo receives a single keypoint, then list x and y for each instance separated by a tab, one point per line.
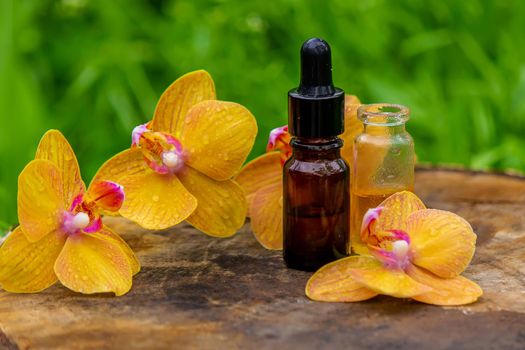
321	167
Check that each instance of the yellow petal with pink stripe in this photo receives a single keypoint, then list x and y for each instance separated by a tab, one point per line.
27	267
221	205
55	148
445	291
441	242
94	263
260	172
40	199
178	98
217	137
156	201
267	216
333	282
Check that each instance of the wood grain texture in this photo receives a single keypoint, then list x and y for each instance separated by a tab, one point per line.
199	292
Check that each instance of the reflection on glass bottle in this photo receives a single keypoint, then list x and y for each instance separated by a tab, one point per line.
383	162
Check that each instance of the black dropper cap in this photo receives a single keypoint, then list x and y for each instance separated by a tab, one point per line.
316	107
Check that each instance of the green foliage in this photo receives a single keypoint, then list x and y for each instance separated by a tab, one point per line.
95	69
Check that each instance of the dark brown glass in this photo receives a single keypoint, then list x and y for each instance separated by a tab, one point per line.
316	203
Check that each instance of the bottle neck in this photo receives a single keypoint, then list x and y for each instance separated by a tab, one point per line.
378	129
383	118
316	148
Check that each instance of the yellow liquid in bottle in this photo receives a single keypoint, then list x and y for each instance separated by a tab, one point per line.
360	203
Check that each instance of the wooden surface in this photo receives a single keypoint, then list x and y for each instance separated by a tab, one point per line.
199	292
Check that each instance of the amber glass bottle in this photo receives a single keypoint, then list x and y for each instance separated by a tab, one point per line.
316	200
383	162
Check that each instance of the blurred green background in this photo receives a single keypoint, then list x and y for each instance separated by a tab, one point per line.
95	69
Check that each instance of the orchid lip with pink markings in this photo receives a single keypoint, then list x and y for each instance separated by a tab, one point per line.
275	134
137	133
369	218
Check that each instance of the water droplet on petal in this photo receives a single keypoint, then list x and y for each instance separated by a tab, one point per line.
155	198
84	278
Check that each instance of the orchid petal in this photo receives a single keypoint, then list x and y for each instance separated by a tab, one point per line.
178	98
27	267
333	282
394	282
126	163
156	201
445	291
40	199
55	148
267	216
442	242
133	260
94	263
221	208
218	137
396	210
260	172
353	127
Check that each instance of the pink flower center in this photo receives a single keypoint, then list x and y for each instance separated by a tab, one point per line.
81	217
393	250
162	152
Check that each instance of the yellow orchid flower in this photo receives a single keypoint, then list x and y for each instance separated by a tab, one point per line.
415	252
180	165
261	178
61	235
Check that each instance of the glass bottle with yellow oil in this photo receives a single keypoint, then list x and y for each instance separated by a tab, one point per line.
383	162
